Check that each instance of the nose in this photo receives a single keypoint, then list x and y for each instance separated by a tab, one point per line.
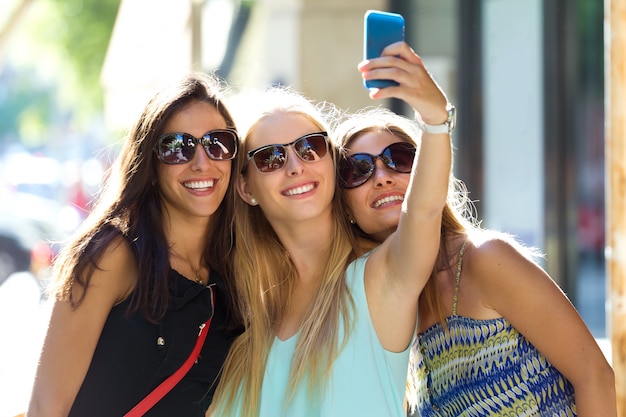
200	158
382	175
294	164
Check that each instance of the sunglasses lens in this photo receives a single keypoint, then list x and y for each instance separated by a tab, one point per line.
175	148
220	145
356	170
270	158
311	147
180	148
399	156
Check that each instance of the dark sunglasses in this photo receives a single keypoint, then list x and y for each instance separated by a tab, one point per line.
179	148
309	148
355	170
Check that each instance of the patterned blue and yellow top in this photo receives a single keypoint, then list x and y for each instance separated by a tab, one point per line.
485	368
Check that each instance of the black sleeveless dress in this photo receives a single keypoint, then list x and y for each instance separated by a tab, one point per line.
133	355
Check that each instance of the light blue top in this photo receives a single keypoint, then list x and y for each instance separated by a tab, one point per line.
366	379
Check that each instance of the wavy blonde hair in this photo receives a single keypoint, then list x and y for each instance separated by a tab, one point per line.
265	277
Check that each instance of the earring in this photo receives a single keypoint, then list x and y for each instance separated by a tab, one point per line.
253	201
351	220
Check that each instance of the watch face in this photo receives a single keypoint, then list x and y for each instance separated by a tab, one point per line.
451	118
446	127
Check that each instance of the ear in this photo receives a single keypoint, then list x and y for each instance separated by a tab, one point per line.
244	192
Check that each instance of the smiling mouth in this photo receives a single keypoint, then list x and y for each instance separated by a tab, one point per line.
388	200
199	185
299	190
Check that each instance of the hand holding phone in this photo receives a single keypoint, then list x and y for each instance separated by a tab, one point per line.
381	29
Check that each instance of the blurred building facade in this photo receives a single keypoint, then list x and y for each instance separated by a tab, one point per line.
522	73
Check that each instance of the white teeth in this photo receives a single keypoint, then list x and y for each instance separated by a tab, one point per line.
199	185
389	199
300	190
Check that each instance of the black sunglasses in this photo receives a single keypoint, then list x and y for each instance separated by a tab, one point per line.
179	148
355	170
309	148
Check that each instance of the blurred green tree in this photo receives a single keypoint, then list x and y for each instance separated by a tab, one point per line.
60	46
80	35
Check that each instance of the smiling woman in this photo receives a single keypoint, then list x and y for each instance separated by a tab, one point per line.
328	334
487	310
141	271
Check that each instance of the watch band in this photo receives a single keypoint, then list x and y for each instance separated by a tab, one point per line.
446	127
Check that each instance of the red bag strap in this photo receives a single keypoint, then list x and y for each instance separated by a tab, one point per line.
159	392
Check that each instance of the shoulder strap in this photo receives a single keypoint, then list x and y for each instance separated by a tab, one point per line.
159	392
455	298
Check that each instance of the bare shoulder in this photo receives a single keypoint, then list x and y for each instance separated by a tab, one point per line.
496	250
494	258
117	254
502	269
116	271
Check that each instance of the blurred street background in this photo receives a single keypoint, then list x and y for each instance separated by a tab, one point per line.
527	77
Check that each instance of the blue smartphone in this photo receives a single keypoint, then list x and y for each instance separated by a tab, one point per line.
381	29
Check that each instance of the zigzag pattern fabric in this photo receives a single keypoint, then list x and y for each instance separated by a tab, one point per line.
481	368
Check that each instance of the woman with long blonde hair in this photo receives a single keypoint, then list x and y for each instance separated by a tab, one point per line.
327	335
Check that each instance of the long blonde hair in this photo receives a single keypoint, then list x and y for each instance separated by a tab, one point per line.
265	277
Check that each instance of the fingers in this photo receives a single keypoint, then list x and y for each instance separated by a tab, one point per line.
390	55
416	86
398	63
402	50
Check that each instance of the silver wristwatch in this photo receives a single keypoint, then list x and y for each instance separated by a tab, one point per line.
446	127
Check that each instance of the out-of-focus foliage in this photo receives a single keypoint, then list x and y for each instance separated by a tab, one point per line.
51	65
78	33
25	107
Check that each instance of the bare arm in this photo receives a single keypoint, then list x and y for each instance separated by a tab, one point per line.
73	334
523	293
397	272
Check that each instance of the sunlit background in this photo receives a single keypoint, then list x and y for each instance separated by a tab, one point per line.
527	77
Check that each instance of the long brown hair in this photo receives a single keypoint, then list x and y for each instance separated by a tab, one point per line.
459	217
265	275
458	214
130	206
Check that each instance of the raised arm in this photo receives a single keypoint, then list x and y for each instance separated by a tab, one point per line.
397	272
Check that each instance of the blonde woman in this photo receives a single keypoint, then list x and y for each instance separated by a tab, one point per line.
327	335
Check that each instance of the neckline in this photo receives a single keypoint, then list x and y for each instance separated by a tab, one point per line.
481	322
287	340
198	279
194	281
